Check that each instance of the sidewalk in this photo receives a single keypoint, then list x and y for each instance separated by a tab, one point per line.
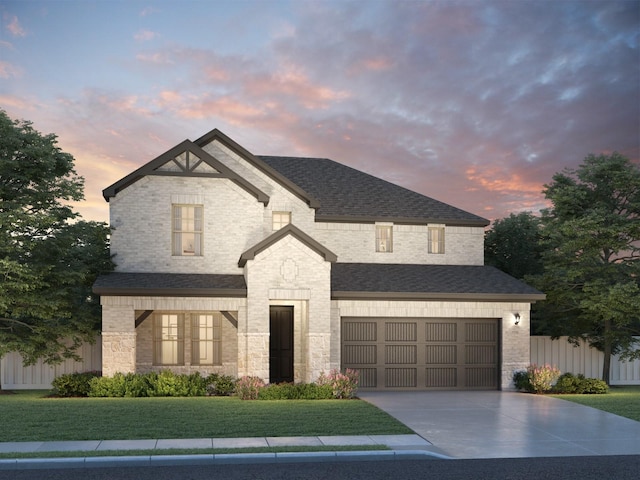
402	446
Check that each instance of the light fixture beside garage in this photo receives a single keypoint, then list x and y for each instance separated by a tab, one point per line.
516	316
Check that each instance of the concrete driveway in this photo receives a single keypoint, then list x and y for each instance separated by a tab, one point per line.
508	424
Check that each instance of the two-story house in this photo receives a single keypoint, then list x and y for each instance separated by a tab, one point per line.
285	267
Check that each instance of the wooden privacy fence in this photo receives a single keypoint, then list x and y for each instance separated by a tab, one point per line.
15	376
582	359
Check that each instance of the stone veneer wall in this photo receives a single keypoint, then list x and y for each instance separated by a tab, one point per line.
127	349
288	273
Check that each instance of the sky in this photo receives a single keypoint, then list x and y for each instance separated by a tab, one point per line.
475	103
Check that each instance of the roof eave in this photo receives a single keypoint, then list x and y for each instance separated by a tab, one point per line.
435	296
169	292
453	222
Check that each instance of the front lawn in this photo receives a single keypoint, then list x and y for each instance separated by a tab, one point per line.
29	416
621	400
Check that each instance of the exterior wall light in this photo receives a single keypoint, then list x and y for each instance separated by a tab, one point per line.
517	318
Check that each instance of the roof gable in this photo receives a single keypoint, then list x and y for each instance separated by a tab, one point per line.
295	232
185	159
349	195
217	135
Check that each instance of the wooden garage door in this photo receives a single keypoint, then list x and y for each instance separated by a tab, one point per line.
422	353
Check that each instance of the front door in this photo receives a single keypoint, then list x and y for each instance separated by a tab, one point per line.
281	344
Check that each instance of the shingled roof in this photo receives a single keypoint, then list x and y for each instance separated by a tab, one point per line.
428	282
347	194
170	284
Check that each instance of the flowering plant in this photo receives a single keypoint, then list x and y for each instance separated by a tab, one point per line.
248	388
542	377
344	385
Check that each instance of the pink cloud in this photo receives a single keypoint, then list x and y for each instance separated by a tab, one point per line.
145	36
148	11
14	27
295	85
158	58
225	107
8	70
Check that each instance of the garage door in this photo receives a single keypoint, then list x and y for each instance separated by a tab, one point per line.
422	353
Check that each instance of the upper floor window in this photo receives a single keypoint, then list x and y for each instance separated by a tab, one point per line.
384	238
281	219
436	239
187	230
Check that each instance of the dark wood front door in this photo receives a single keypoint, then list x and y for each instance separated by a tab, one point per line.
281	344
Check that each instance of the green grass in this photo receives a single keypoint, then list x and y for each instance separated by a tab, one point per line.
29	416
621	400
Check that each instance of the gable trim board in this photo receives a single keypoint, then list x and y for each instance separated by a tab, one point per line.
217	135
253	268
279	235
153	168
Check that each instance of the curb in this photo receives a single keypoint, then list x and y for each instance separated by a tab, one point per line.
216	459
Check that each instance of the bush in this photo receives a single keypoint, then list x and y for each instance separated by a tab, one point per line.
569	383
538	379
248	388
108	386
521	381
343	385
163	384
168	384
220	385
74	384
594	386
295	391
543	377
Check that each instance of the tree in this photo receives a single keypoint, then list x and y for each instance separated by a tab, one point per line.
49	258
512	244
591	275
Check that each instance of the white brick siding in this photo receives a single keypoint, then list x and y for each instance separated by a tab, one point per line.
355	243
290	273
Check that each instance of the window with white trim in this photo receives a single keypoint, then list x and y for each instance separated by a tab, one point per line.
186	227
384	238
436	240
281	219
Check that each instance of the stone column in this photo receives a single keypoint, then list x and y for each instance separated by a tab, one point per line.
118	340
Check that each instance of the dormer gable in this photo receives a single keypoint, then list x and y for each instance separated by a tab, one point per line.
185	160
295	232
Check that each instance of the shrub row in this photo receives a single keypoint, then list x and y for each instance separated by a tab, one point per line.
569	383
163	384
335	384
547	379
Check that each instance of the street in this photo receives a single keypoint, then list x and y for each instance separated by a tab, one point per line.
569	468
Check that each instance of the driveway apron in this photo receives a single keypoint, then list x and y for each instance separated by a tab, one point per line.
509	424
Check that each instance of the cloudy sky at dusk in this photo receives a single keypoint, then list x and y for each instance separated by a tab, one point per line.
474	103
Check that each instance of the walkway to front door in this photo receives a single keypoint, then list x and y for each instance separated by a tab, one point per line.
280	344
